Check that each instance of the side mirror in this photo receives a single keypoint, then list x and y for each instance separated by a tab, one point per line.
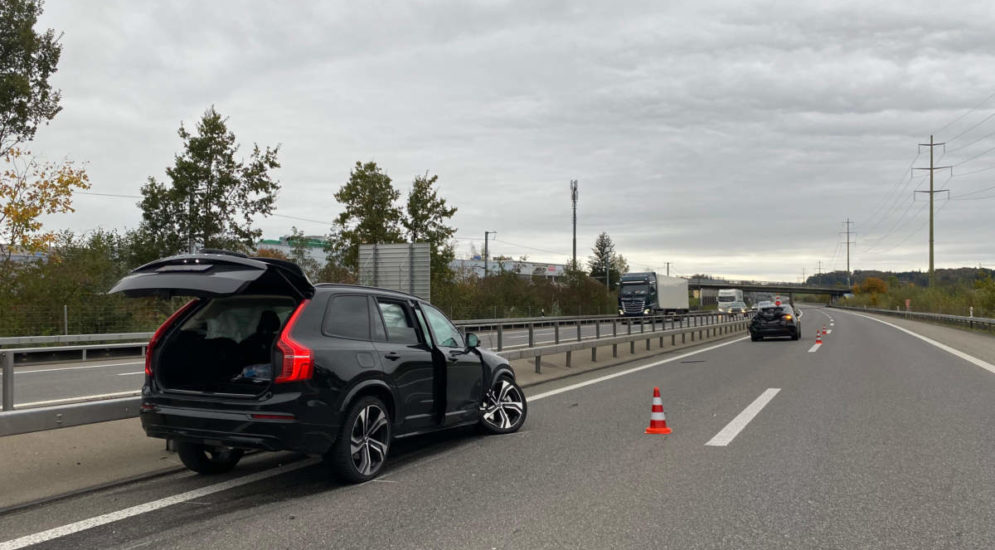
472	341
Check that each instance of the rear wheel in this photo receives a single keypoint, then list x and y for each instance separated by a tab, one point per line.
361	449
505	407
755	337
205	459
797	335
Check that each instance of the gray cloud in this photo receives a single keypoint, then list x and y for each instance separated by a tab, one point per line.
724	137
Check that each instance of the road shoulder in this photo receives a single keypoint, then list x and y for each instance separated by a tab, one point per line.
977	344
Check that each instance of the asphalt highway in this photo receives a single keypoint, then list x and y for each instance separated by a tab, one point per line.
875	439
57	383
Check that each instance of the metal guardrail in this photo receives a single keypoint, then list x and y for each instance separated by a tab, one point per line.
704	325
967	321
9	341
702	331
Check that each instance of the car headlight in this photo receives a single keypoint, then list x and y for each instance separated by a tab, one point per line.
620	312
646	311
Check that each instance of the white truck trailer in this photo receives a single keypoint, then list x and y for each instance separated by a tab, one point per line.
647	293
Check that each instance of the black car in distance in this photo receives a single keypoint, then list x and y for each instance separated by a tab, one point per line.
775	320
262	359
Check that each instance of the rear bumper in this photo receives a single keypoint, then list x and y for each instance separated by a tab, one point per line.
236	428
774	331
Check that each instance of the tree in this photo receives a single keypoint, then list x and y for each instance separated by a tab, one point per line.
212	196
874	285
266	252
426	222
369	215
300	253
605	258
27	60
28	190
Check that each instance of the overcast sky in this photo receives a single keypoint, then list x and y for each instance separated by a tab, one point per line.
728	138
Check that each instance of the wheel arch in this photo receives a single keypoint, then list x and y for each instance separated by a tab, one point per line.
373	387
502	370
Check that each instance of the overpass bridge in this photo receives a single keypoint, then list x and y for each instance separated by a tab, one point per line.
773	288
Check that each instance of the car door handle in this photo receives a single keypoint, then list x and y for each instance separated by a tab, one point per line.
454	356
393	356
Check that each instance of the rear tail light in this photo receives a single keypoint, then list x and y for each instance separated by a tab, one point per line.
787	317
297	361
161	331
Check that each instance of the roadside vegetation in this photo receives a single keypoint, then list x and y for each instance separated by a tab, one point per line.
957	296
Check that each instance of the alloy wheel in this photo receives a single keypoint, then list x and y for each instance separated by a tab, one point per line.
504	407
369	440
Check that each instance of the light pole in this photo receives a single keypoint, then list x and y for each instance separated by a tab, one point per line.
487	235
573	198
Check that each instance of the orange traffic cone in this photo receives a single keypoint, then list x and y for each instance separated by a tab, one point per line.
824	330
818	337
658	422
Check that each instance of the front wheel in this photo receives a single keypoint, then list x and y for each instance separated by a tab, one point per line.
205	459
505	407
361	449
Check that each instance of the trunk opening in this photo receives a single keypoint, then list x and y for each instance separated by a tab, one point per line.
225	346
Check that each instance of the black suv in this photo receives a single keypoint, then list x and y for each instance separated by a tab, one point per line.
775	320
263	359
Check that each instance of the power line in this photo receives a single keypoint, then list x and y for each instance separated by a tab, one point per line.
877	242
965	195
962	147
912	233
969	111
962	174
985	152
986	119
525	246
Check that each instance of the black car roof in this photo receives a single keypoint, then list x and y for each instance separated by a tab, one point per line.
369	289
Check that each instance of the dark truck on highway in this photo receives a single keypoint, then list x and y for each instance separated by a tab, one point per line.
649	294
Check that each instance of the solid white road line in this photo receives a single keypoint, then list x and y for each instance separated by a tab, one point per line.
130	373
20	372
969	358
150	506
733	428
814	348
629	371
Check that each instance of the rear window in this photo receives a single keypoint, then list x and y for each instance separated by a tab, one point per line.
348	317
238	317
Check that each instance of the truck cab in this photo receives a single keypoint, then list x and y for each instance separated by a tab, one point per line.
637	294
729	297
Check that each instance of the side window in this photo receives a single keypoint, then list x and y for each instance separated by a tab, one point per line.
347	317
379	332
446	334
399	322
423	325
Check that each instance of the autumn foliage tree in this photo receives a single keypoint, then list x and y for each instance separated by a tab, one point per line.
873	285
30	189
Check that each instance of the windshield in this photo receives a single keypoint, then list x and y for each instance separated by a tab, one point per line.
629	290
727	298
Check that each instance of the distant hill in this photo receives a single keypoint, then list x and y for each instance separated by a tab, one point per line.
952	277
